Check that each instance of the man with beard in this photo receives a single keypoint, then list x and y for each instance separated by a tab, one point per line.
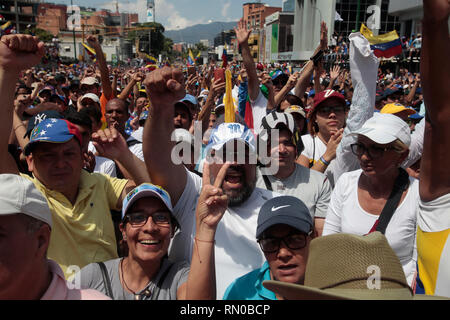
237	252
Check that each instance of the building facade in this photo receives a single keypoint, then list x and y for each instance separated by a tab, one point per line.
21	13
278	37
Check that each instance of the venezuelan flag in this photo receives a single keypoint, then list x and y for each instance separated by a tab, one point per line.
7	28
386	45
191	59
151	59
90	51
224	58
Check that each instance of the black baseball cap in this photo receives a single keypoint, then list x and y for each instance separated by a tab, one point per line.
287	210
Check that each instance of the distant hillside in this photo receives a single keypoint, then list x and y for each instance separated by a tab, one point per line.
199	32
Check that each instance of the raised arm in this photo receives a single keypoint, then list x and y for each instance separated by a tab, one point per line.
164	88
17	52
135	78
109	143
104	72
290	84
242	35
435	74
305	75
364	70
211	206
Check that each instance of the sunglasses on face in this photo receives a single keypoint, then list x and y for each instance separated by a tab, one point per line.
374	152
138	219
331	109
294	241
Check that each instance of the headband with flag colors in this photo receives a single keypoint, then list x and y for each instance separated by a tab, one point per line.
90	51
228	99
386	45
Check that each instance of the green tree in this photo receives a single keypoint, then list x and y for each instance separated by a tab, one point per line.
142	31
43	35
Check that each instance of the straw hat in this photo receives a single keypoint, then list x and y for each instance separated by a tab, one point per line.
341	266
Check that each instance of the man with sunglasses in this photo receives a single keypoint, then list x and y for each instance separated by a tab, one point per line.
284	232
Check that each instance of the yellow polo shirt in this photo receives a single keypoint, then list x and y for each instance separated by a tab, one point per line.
83	233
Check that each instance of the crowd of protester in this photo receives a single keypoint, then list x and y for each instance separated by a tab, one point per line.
133	183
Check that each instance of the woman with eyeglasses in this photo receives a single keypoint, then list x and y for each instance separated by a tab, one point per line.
284	232
380	196
146	273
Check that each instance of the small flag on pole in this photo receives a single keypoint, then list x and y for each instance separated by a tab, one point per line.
191	59
90	52
224	58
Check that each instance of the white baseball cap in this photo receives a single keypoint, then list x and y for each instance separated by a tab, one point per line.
89	81
91	96
19	195
229	131
385	128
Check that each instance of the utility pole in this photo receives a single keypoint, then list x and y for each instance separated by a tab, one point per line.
17	17
358	9
73	31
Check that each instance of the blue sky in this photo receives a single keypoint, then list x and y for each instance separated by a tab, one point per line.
174	14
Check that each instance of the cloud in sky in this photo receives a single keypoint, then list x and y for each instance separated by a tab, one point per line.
225	9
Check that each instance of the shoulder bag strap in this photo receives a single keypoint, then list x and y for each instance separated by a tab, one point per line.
160	282
391	205
106	280
267	182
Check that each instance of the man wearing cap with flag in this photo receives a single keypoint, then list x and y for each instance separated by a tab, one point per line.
80	202
236	249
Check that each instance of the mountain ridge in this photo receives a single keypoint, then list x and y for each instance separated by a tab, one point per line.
195	33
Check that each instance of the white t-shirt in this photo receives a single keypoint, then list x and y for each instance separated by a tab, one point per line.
136	149
103	165
259	111
314	149
345	215
310	186
236	249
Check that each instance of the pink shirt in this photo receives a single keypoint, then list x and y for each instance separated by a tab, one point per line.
58	289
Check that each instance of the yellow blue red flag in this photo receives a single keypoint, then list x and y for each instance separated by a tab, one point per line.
6	28
90	51
150	59
386	45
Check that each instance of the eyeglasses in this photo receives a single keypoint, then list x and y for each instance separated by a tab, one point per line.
359	149
294	241
324	111
138	219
